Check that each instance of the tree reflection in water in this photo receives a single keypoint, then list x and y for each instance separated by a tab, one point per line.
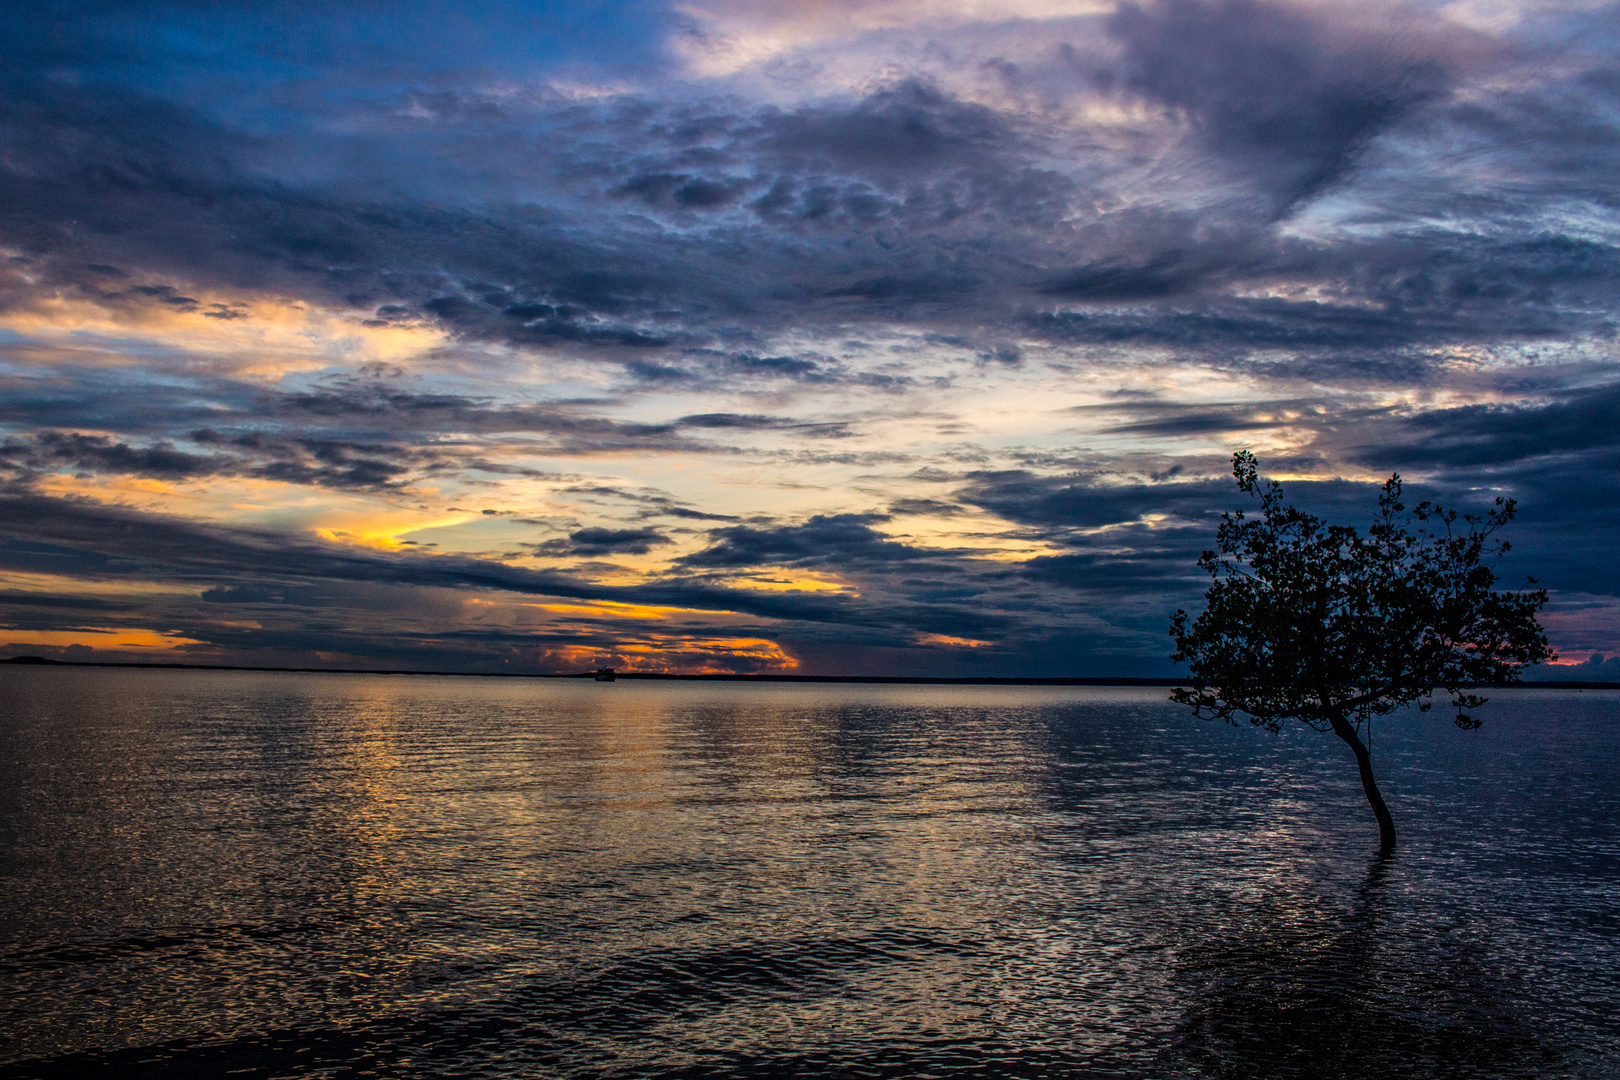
1354	996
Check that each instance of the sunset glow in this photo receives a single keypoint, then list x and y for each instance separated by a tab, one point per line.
830	338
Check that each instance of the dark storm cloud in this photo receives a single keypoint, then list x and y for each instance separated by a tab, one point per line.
1163	275
71	538
1175	418
374	404
308	595
1123	557
929	507
910	155
1569	510
129	402
1160	563
138	174
1032	499
761	422
1068	509
121	161
355	432
1382	298
912	128
1288	96
680	191
324	462
155	187
751	422
905	203
598	541
49	609
1576	422
1558	456
686	513
295	595
98	453
779	366
79	538
824	540
320	462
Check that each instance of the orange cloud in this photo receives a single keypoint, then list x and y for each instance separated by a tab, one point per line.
109	637
949	641
676	655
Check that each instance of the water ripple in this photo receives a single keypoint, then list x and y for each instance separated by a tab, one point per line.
283	875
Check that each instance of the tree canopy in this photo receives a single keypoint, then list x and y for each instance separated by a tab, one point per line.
1331	626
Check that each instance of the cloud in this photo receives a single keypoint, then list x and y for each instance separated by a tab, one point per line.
599	541
1033	499
1595	668
98	453
1576	421
824	540
910	128
1286	95
905	202
1037	270
315	461
68	537
680	191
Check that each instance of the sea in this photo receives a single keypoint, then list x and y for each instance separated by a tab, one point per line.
241	874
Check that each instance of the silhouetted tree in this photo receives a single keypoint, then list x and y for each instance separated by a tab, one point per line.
1322	624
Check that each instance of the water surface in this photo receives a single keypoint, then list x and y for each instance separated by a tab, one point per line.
279	875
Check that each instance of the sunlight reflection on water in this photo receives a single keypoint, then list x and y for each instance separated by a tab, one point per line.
291	874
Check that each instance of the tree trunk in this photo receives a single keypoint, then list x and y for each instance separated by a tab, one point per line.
1386	824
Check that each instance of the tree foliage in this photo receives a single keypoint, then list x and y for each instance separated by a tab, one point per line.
1331	626
1306	620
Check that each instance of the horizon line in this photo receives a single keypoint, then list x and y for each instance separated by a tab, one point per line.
670	676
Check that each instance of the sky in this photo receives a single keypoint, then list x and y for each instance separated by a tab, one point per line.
901	337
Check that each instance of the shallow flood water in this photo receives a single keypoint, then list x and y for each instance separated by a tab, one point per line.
313	875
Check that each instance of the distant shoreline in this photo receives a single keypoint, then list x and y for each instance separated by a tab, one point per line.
648	676
621	676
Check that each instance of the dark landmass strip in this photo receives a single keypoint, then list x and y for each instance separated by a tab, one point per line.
919	680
